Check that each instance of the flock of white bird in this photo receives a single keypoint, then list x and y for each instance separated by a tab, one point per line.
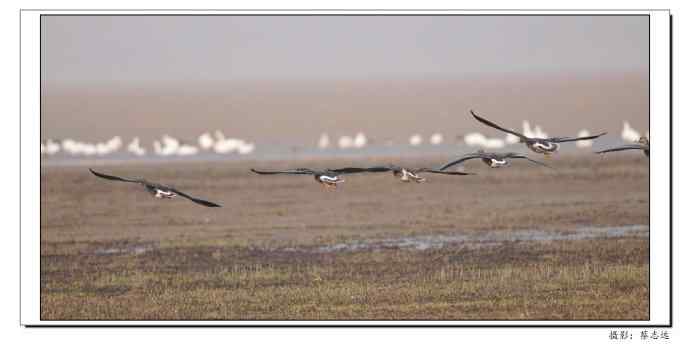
475	139
166	146
218	143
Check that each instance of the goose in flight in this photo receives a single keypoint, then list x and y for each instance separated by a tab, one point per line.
493	160
545	146
642	144
157	190
327	178
407	175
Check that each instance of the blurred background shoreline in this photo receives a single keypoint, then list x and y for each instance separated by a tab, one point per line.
261	87
287	119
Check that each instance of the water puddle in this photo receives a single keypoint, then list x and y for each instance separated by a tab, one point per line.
133	249
473	240
483	239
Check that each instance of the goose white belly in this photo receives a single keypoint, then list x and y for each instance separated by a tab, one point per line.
163	194
409	176
498	163
544	147
330	180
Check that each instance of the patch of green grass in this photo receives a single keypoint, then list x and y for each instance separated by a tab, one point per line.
211	283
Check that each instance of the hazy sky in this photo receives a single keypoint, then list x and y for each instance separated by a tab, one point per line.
149	48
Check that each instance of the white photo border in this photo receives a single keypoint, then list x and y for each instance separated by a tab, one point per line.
660	173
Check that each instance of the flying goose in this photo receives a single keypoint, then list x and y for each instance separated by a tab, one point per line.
407	175
157	190
327	178
493	160
545	146
642	144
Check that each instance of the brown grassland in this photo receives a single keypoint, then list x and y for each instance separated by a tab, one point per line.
109	251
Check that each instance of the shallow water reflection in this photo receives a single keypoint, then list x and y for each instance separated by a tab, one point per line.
486	238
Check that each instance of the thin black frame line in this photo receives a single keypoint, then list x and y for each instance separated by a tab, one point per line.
649	208
649	169
20	170
670	153
40	131
338	326
337	15
359	10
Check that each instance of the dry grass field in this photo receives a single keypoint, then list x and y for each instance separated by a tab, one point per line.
284	248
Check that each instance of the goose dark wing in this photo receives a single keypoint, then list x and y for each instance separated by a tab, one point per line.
351	170
435	171
198	201
115	178
299	171
462	159
491	124
519	156
566	139
383	168
624	147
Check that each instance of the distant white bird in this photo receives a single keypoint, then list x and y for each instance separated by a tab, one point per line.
581	144
69	146
227	145
206	141
527	130
324	141
51	147
511	139
223	147
158	148
169	145
345	142
629	133
475	139
187	150
102	149
99	148
360	140
170	142
164	149
478	139
135	148
538	133
494	143
88	149
114	144
219	135
416	140
436	139
246	148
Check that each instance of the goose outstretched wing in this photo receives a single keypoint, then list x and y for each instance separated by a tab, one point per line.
566	139
437	171
462	159
196	200
351	170
624	147
491	124
116	178
520	156
299	171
